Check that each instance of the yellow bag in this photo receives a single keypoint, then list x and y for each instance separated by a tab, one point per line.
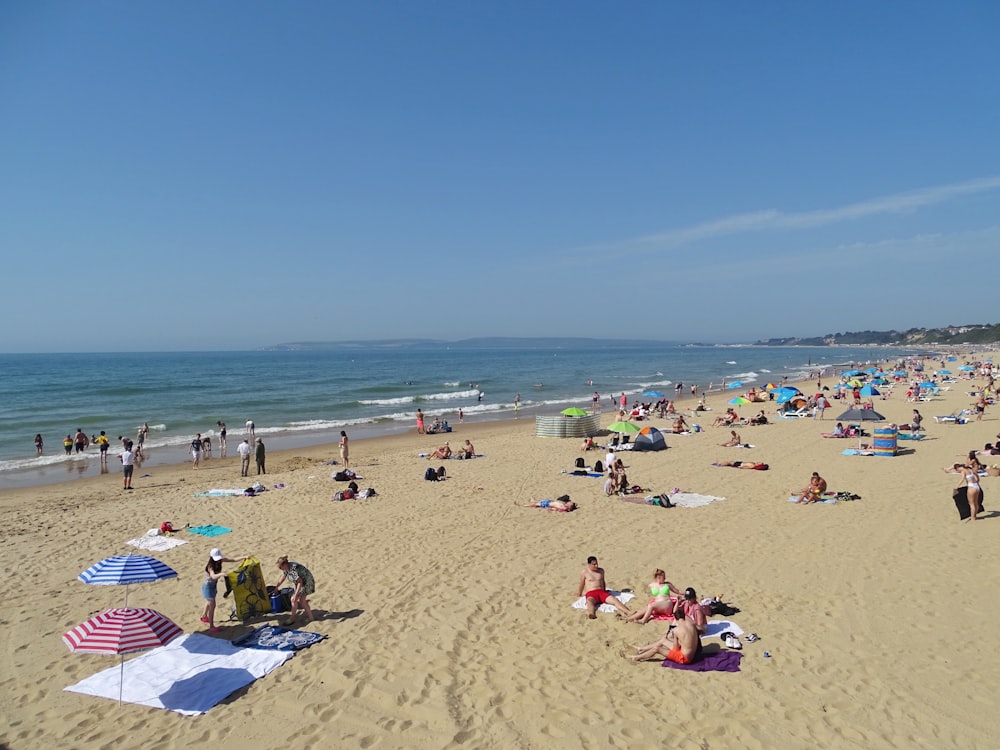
250	597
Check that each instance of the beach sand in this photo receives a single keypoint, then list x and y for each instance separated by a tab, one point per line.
448	608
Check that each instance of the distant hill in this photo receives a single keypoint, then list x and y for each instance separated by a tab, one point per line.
497	342
949	336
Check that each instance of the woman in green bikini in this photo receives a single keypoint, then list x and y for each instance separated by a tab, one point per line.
660	604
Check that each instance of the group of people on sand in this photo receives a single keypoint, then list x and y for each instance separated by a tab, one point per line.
682	641
466	451
295	573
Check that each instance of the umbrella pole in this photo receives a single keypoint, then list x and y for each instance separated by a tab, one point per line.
121	680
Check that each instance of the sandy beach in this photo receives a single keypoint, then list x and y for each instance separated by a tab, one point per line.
448	607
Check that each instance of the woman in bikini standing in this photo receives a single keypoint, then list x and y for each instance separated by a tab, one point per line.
970	477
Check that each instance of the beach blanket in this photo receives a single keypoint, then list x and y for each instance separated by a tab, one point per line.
828	498
720	661
220	493
692	499
209	530
156	542
623	597
855	452
582	473
189	675
273	638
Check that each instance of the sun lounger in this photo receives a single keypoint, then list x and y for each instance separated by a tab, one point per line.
805	411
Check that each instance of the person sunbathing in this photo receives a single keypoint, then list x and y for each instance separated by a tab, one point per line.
756	465
661	603
734	440
725	420
680	644
815	490
443	452
680	425
558	504
759	419
468	450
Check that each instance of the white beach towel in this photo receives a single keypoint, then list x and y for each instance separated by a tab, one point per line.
692	499
714	627
220	493
581	603
189	675
156	542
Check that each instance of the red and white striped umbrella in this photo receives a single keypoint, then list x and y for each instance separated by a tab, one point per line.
122	631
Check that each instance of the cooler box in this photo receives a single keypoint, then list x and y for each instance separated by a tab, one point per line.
250	597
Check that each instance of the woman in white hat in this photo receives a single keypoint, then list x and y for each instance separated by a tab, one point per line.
209	587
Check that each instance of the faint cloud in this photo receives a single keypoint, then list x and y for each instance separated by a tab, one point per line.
774	219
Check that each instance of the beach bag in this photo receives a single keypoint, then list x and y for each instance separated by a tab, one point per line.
598	467
441	474
367	493
250	597
430	475
580	463
338	496
342	476
353	487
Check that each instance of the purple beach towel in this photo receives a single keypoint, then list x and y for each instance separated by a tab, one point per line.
720	661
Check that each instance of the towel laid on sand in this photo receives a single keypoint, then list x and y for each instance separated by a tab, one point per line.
273	638
189	675
692	499
828	498
714	627
720	661
623	597
220	493
156	542
209	530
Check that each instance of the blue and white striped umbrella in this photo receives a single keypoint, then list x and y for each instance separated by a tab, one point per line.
122	570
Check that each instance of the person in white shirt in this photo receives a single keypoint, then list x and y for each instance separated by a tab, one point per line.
244	450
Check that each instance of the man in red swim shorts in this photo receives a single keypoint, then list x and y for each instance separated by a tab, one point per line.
592	581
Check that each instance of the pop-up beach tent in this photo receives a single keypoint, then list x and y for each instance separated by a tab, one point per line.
649	439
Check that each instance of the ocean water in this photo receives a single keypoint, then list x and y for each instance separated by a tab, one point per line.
307	396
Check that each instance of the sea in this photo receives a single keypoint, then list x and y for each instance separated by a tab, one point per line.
306	396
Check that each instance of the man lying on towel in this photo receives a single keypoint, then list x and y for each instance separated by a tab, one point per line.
681	644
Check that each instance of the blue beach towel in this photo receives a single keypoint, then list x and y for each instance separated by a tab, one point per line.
209	530
272	638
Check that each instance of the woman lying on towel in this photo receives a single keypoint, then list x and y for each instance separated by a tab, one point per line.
757	466
661	604
562	504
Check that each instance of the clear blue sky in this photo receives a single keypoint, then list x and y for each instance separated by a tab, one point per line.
227	175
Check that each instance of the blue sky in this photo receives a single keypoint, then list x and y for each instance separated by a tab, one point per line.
229	175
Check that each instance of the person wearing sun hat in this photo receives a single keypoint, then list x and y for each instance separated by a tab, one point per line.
210	585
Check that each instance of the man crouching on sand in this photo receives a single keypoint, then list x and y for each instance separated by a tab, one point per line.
592	581
680	644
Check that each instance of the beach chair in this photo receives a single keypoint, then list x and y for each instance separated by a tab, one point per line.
803	411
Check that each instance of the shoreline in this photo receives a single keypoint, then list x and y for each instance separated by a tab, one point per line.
482	654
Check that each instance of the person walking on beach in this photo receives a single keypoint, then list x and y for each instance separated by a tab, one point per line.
344	449
244	450
259	455
222	438
250	430
597	402
80	440
592	582
196	451
915	421
299	575
38	444
420	423
128	460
